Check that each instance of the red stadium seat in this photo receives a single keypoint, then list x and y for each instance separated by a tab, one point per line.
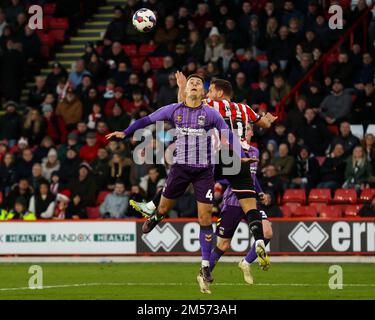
345	196
58	35
287	211
93	212
146	49
45	51
320	195
333	129
352	210
130	49
59	23
101	197
49	9
137	62
330	211
304	211
367	195
46	39
291	207
294	195
317	205
46	21
156	62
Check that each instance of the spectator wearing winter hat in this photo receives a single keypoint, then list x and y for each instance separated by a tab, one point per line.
72	143
214	46
84	186
50	164
62	203
42	203
89	150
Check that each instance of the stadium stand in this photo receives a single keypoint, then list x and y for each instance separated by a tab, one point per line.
89	72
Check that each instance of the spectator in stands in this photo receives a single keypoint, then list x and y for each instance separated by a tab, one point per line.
250	67
314	133
201	16
271	183
295	117
151	183
7	173
363	111
261	95
25	164
70	109
346	138
368	145
180	56
168	93
300	70
89	151
58	72
50	164
69	165
22	188
306	171
314	95
115	56
214	46
279	90
118	119
100	167
162	75
241	88
95	116
282	50
62	203
10	124
284	163
36	176
42	203
19	211
55	126
116	29
167	34
343	69
358	170
119	169
332	171
115	204
196	47
34	127
84	186
365	73
42	150
31	46
76	75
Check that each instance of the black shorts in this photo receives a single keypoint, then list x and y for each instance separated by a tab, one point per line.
241	183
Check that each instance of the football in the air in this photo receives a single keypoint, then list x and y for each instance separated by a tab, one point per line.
144	20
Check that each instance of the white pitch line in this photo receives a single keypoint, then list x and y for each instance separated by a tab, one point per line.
180	284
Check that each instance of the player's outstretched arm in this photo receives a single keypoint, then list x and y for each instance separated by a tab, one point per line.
116	134
181	82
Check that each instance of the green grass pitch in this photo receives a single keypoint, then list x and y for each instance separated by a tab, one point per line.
177	281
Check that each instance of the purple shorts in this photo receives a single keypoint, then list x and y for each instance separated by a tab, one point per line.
181	176
229	219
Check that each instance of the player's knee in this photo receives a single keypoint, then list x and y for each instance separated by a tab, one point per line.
204	219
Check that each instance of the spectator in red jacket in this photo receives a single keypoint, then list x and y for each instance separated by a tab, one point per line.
89	150
101	131
55	125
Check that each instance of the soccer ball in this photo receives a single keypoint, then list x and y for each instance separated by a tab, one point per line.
144	20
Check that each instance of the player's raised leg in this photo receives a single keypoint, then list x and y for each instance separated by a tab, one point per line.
147	208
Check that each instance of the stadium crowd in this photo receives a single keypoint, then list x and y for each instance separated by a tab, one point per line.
55	160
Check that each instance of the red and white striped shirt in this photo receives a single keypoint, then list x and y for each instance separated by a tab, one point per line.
236	115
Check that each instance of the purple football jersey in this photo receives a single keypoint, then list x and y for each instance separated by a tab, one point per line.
193	138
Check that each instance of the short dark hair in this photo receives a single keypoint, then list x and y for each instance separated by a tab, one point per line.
195	75
224	85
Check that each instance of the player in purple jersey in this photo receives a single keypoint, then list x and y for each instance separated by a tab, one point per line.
232	214
191	119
